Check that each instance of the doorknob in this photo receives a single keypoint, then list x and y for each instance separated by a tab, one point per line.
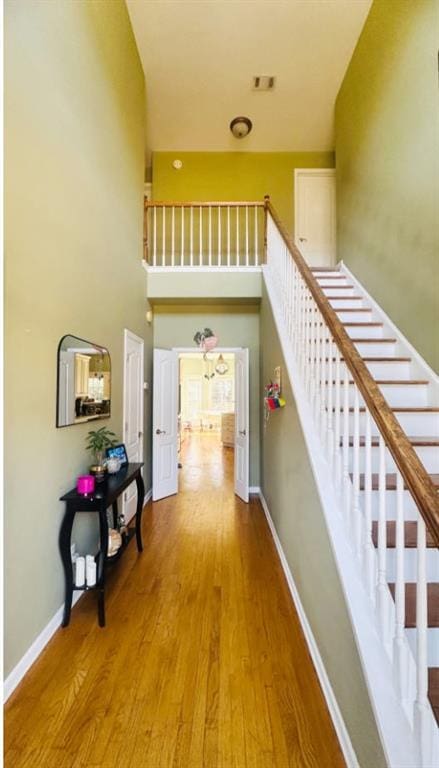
160	431
242	432
303	239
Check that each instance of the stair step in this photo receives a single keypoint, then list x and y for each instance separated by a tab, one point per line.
423	409
338	276
433	690
410	604
390	481
410	534
326	269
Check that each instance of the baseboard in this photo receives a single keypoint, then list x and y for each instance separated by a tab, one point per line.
15	677
331	701
31	655
254	489
148	496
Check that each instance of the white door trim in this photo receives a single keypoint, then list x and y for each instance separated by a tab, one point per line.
127	334
324	172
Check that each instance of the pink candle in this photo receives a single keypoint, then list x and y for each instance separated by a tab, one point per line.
85	484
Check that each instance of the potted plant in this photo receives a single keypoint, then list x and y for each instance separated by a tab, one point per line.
206	339
97	441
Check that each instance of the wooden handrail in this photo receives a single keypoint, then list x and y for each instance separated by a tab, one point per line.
217	204
415	476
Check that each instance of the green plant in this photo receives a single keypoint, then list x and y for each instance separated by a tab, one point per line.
199	337
98	440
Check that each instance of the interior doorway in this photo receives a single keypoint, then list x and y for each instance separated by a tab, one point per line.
200	420
206	419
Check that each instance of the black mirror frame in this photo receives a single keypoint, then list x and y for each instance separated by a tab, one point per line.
98	346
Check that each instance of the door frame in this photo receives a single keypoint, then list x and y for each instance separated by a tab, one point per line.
219	350
127	334
328	172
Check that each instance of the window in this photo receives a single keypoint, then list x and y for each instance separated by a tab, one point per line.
222	394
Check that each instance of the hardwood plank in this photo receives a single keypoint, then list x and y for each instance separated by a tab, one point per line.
202	664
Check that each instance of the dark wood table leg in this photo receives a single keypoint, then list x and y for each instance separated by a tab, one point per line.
65	538
115	514
139	509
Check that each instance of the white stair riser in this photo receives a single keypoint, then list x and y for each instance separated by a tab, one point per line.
365	331
432	644
336	291
387	370
347	303
429	455
410	564
412	395
325	283
369	349
356	317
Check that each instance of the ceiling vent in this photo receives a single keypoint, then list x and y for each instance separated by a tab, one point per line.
263	82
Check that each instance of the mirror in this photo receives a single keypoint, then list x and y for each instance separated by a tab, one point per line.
84	382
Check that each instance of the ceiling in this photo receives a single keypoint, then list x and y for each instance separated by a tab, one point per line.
199	58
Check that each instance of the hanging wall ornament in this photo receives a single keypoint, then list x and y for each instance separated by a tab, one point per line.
221	366
206	339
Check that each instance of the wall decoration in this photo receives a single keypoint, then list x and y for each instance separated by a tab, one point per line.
221	366
273	399
206	339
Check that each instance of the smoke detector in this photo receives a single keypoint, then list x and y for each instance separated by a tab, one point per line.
263	82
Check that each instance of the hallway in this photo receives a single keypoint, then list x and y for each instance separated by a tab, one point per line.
202	663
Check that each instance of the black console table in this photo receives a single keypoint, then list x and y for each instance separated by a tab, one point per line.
105	495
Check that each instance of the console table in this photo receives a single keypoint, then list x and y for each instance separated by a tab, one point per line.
105	495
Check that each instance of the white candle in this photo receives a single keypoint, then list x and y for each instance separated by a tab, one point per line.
80	571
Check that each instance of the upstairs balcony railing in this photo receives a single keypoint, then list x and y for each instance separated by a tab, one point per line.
204	235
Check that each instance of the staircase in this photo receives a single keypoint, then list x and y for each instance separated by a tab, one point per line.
369	407
413	398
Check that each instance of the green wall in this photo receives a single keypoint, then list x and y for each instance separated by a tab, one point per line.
74	106
235	326
288	486
387	149
208	176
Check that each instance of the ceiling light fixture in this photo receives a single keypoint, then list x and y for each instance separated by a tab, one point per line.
241	127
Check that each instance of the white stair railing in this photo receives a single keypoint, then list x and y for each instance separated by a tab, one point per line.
204	235
335	378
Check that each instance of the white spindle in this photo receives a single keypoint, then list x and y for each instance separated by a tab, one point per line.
369	554
210	236
191	236
163	236
422	708
201	236
182	237
382	542
228	235
323	386
346	479
330	431
356	473
238	258
246	235
256	212
219	235
154	259
337	431
173	236
399	644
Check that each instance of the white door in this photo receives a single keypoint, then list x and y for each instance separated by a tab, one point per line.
315	224
164	424
132	412
241	424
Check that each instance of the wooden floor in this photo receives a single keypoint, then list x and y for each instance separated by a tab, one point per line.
202	662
